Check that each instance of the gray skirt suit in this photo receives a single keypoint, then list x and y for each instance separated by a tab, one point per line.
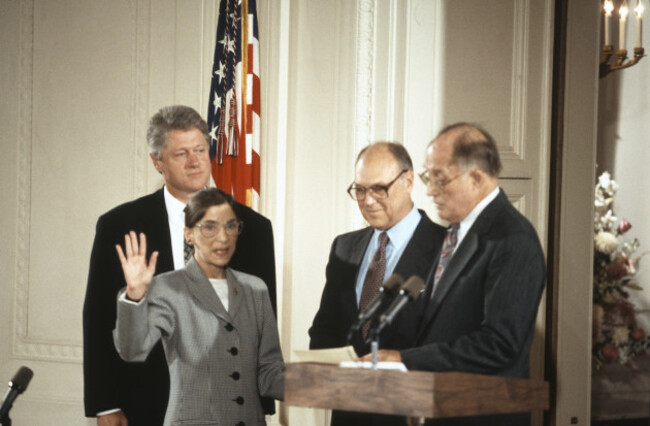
220	362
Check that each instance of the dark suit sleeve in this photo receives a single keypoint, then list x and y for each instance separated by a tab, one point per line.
255	253
102	378
506	282
338	303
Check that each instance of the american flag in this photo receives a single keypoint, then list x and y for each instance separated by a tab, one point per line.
234	108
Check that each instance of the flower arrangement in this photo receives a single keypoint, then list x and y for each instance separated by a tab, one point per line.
616	335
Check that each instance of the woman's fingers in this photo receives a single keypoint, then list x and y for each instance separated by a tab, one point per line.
120	254
131	246
143	244
151	268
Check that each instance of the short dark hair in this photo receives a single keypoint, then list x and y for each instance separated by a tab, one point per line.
200	202
175	117
399	153
473	147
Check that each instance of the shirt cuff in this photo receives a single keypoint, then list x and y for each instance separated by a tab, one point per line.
103	413
125	299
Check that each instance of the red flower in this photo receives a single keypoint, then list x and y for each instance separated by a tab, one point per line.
620	268
610	353
624	226
637	334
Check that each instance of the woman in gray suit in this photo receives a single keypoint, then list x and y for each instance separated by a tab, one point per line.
216	324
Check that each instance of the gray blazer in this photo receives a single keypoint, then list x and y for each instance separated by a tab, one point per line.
220	362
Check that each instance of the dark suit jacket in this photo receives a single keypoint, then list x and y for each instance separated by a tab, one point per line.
338	309
141	389
481	318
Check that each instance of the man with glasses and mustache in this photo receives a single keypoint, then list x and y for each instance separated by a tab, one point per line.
482	297
405	240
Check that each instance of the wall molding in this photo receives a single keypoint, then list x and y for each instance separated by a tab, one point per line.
24	346
521	36
364	87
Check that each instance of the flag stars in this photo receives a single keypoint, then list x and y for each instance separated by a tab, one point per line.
216	102
220	72
213	133
231	46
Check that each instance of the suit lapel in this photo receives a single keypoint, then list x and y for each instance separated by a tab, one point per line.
203	292
357	251
419	252
456	265
461	258
235	294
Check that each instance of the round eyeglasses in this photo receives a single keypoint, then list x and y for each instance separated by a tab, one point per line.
210	229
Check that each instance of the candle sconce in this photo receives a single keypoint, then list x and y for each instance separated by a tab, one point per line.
621	55
606	65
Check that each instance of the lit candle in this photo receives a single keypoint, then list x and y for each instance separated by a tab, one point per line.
639	23
609	7
623	11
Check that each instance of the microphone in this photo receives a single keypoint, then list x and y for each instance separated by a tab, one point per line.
409	291
386	293
17	385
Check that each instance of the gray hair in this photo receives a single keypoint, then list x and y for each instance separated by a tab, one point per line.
473	147
175	117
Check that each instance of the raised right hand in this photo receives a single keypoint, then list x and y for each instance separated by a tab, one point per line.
137	273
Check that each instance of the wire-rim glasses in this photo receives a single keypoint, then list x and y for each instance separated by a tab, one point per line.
209	228
438	183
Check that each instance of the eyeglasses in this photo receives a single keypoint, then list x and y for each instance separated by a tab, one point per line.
210	229
378	192
439	183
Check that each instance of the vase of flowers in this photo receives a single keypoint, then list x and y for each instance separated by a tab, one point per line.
616	334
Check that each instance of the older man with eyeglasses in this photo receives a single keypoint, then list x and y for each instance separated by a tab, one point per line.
482	299
400	239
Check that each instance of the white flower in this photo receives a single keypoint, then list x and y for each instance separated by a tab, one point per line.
605	181
621	334
608	220
606	242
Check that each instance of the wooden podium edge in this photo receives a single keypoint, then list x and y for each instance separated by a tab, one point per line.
413	393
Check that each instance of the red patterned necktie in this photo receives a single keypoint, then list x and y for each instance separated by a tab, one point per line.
447	250
374	278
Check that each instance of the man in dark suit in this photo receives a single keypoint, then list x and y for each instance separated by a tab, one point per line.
481	300
382	188
116	391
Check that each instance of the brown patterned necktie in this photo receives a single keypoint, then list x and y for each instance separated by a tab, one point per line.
374	278
447	250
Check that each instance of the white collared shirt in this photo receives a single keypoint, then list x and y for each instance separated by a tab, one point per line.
176	218
398	237
469	220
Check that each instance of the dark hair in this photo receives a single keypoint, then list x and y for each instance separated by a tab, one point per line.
175	117
473	147
200	202
399	153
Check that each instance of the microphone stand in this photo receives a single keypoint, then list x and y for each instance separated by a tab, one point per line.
5	421
374	346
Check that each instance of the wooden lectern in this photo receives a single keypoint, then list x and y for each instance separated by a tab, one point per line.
413	393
